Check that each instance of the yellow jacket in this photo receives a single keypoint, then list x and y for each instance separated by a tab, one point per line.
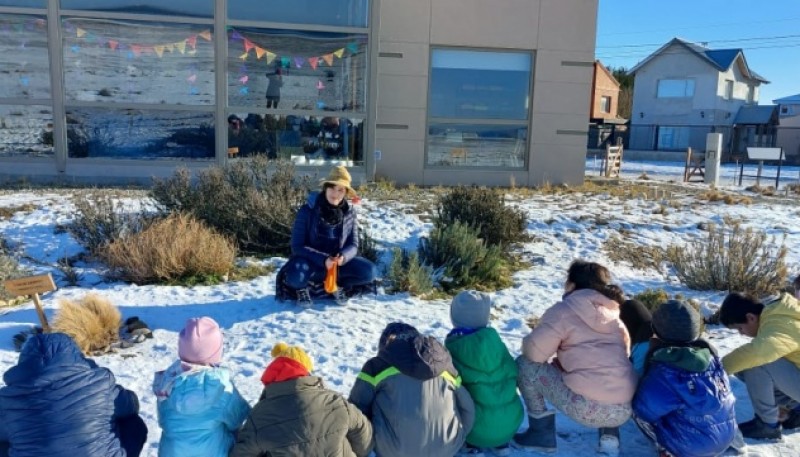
778	337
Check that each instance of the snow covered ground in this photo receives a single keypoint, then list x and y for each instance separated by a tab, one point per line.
341	339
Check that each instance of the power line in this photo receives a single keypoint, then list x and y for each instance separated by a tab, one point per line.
703	26
643	53
732	40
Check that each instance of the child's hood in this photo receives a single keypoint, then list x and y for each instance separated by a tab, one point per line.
695	360
599	312
192	389
421	357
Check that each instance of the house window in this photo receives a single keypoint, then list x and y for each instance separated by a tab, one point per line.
605	104
341	13
479	104
784	110
673	138
675	88
728	89
751	94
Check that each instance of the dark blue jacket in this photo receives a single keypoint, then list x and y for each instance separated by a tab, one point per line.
305	239
686	397
57	403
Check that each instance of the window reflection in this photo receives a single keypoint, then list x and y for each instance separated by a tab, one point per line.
138	134
349	13
305	140
202	8
477	145
297	70
24	64
26	131
139	62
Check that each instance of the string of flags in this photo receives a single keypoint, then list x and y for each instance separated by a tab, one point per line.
288	61
187	45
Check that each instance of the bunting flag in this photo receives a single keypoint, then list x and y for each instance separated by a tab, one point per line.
181	46
260	52
352	47
75	48
243	56
285	62
113	44
244	90
192	78
193	90
80	32
313	61
205	34
236	35
270	57
24	80
328	58
248	45
191	52
192	41
159	50
339	52
298	62
244	79
320	86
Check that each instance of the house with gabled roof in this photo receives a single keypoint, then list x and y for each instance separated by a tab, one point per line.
684	91
789	128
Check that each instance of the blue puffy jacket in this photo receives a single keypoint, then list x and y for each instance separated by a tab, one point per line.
200	414
57	403
686	398
306	241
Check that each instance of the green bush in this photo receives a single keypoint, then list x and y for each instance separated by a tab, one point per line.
407	274
733	259
252	201
367	246
485	210
652	298
464	259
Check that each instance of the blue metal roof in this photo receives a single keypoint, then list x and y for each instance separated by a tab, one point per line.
755	114
790	100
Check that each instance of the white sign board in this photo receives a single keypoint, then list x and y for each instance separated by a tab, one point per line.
765	154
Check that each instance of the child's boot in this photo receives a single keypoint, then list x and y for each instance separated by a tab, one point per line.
608	443
541	433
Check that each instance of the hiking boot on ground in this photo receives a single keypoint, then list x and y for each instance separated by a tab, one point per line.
340	297
304	298
757	429
792	421
540	436
608	442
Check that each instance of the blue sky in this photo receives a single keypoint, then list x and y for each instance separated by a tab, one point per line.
768	31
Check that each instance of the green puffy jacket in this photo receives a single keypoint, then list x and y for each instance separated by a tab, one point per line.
490	375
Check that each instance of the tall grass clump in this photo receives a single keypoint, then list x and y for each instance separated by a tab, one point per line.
407	274
731	258
9	269
464	259
253	202
177	249
485	210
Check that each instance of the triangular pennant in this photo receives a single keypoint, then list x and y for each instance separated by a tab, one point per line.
338	53
181	46
298	62
159	50
80	32
243	56
205	34
328	58
270	57
320	86
75	48
244	79
137	50
192	78
236	35
243	90
113	44
285	62
191	52
248	45
260	52
192	41
352	47
313	61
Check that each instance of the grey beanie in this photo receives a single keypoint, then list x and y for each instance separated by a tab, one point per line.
470	309
677	322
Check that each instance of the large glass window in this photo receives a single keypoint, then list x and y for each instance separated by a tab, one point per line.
202	8
673	138
26	131
138	62
25	3
478	108
24	64
297	70
675	88
345	13
139	134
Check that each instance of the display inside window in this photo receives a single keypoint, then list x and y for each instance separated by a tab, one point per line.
138	62
477	145
342	13
26	131
297	70
305	140
198	8
139	134
24	59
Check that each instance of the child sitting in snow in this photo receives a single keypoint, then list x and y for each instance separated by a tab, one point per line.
297	416
199	409
684	403
413	394
488	372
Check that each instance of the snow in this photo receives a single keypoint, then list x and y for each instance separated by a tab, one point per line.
341	339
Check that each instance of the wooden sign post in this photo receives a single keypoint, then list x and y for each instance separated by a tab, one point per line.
33	286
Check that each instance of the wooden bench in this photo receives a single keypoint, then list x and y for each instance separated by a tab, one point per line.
760	155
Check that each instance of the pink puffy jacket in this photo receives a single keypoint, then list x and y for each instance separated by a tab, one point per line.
592	345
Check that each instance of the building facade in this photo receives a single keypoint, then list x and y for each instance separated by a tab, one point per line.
420	91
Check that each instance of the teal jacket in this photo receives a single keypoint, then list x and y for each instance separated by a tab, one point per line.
199	413
489	374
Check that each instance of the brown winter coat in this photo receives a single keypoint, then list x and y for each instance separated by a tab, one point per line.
301	418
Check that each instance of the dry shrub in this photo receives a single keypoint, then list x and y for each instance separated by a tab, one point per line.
93	322
9	269
731	258
641	257
100	220
715	195
7	212
178	248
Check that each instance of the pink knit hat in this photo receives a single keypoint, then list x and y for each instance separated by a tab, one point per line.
200	341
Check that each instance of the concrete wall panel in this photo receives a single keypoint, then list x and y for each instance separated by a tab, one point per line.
481	23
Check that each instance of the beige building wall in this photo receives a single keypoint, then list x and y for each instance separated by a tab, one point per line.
559	33
604	85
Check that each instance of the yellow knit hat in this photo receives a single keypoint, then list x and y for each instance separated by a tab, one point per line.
339	176
295	353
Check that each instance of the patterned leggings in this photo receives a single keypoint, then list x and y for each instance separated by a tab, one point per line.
542	381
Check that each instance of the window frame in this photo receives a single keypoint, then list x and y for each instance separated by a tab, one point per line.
480	122
688	83
728	91
605	104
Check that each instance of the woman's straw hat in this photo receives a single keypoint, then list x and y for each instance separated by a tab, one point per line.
339	176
